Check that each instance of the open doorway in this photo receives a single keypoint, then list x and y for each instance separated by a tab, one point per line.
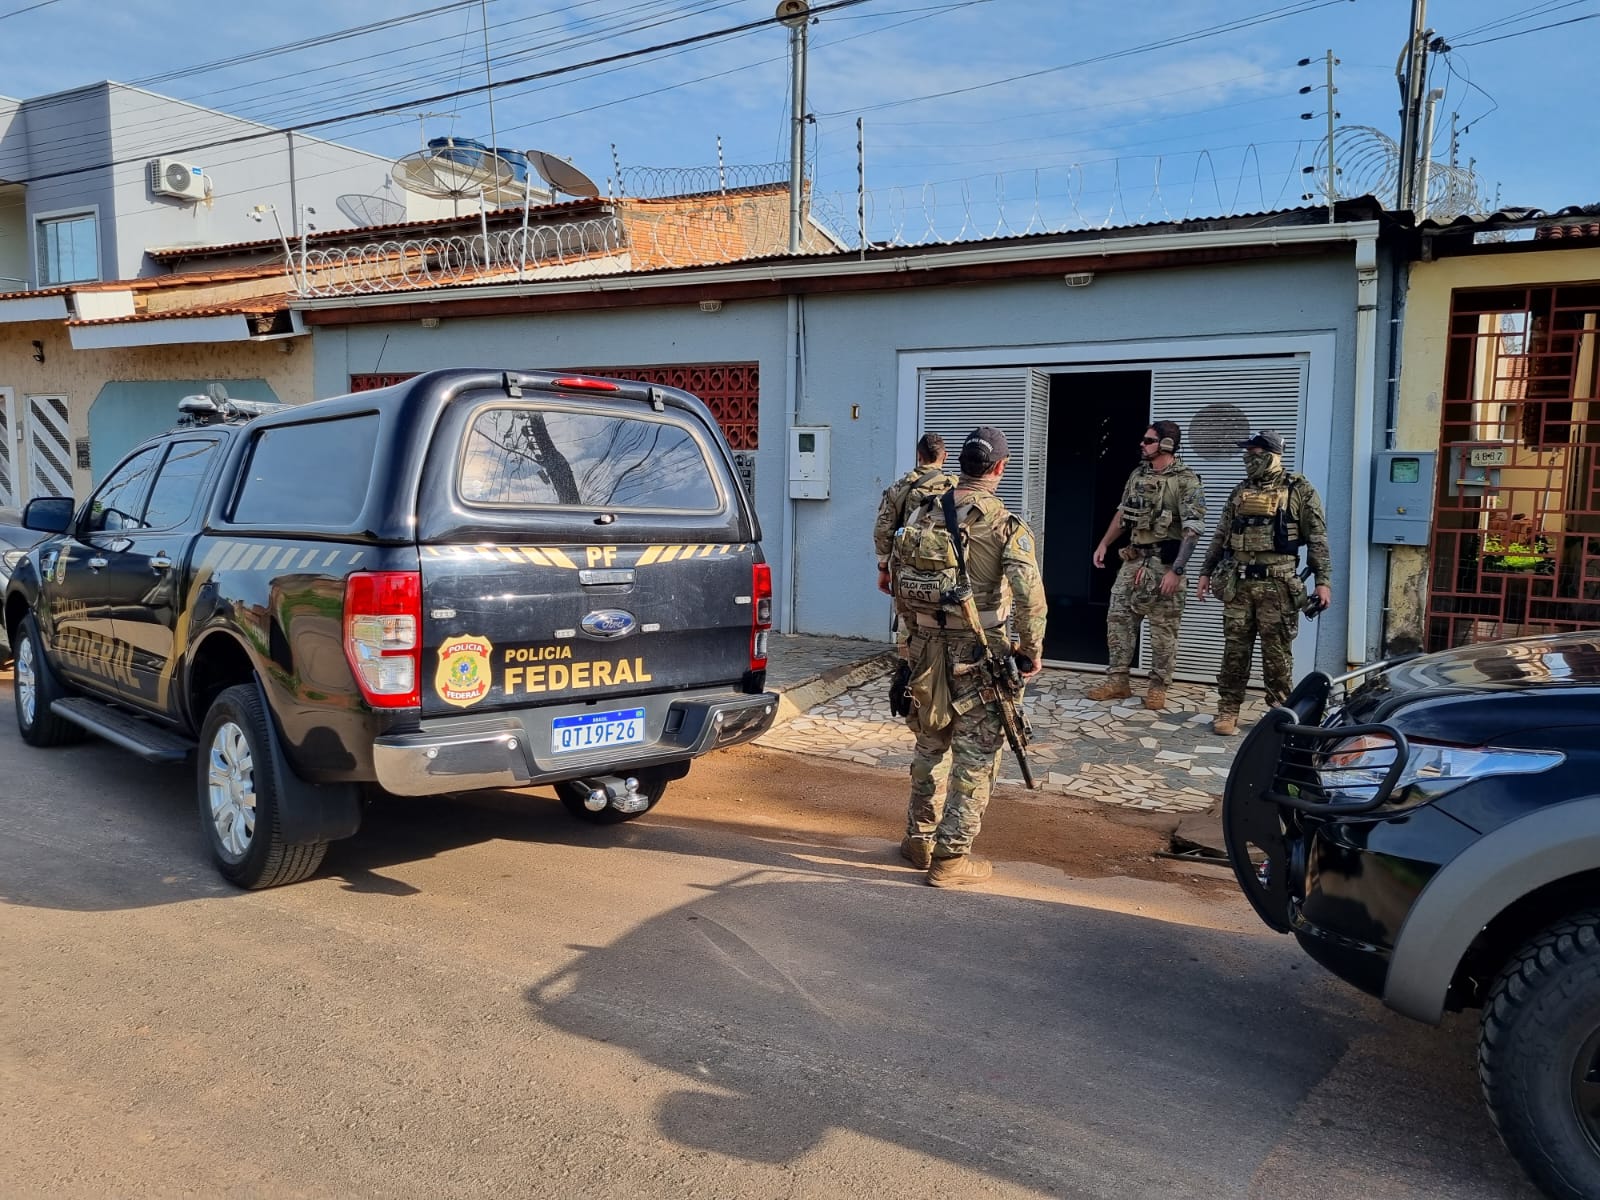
1096	420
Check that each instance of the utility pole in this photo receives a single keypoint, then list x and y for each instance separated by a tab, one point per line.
1413	80
796	14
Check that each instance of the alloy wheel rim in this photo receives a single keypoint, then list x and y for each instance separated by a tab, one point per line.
1586	1088
26	682
231	779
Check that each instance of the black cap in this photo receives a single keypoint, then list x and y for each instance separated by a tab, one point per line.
1269	440
984	447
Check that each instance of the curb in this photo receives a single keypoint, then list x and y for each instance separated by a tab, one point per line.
807	694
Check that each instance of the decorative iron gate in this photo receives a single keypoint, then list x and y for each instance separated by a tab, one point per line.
1516	534
49	447
10	489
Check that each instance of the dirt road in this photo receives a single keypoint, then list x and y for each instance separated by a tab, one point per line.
742	994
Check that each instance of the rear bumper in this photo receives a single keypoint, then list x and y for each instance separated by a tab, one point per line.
511	750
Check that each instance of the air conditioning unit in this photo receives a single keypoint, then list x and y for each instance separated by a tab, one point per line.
169	177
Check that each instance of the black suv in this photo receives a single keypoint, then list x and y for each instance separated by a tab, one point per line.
1429	830
472	579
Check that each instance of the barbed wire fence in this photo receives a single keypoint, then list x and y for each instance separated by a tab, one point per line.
734	212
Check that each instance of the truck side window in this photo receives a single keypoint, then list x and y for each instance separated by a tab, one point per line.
178	485
529	457
115	506
312	475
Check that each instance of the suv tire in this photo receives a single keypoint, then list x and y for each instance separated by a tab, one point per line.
34	688
572	792
237	790
1539	1056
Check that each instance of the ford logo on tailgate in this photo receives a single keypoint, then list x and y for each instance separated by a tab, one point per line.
609	623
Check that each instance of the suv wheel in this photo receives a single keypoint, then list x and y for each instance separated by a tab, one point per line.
238	793
573	792
1539	1057
33	688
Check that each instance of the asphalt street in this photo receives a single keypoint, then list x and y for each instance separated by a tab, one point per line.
482	997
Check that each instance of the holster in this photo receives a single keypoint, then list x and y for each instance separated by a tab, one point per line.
900	690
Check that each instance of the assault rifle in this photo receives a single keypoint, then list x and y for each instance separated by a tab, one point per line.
1002	684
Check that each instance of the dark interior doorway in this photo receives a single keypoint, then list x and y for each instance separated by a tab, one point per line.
1096	420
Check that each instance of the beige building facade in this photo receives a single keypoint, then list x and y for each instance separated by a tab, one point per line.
1500	358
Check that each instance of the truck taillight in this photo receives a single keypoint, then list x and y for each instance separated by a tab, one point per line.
760	614
382	636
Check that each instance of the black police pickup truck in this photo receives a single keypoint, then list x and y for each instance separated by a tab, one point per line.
469	580
1429	830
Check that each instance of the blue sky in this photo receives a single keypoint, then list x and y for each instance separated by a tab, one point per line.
1204	125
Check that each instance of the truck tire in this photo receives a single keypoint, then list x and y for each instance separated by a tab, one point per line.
238	792
651	785
1539	1057
34	688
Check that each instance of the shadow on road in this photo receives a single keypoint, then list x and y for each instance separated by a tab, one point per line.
1067	1049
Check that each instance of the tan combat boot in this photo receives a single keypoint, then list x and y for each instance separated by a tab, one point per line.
963	869
917	851
1115	687
1155	697
1225	723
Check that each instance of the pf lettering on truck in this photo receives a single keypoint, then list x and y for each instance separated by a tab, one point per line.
472	579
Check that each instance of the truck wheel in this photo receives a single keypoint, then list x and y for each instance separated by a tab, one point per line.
651	786
238	793
34	688
1539	1057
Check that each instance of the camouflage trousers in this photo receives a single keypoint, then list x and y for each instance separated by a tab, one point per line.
1135	596
962	760
1269	608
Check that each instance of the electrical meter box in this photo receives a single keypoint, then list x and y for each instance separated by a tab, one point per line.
808	462
1402	497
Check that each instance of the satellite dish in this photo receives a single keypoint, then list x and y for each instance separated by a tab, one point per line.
371	210
445	173
561	175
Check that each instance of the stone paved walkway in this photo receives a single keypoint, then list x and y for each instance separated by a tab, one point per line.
1114	753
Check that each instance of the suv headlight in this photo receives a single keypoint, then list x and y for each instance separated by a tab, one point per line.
9	561
1353	770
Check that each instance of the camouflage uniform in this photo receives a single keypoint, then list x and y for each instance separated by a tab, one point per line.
901	498
1257	545
1160	509
948	716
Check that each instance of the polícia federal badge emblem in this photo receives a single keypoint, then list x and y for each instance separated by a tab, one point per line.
464	676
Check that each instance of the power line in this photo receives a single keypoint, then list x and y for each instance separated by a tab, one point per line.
39	148
17	12
1535	29
1538	10
415	101
1291	10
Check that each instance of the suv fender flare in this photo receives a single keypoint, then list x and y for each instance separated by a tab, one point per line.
1475	887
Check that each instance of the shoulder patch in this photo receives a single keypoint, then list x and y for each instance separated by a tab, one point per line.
1023	543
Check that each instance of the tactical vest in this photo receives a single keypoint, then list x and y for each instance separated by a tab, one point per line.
1152	510
1262	522
924	569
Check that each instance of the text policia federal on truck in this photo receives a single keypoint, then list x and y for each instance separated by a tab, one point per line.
468	580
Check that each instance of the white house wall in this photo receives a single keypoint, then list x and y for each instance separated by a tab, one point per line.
854	351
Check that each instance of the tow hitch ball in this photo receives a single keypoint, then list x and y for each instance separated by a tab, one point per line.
622	794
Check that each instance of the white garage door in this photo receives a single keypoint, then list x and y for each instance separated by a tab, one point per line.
1217	404
1016	401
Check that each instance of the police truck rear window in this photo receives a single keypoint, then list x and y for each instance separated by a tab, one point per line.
568	458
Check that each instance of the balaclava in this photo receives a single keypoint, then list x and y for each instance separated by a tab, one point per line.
1262	466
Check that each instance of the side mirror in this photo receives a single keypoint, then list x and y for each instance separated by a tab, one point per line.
48	514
